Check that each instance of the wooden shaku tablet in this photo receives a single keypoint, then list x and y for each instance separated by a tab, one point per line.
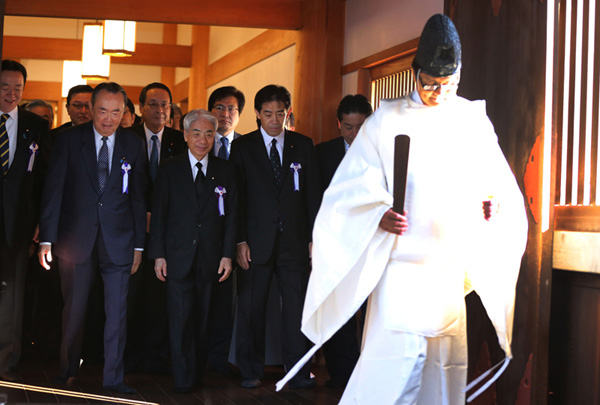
401	148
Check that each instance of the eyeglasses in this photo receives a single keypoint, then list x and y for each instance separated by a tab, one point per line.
436	86
222	108
155	106
80	106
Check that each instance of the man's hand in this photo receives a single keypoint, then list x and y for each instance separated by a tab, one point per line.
393	222
36	234
45	256
490	208
243	255
225	268
160	268
137	259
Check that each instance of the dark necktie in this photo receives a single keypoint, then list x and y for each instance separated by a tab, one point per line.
4	155
103	165
154	157
199	182
223	152
275	162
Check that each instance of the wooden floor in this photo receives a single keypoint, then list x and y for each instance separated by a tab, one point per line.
217	390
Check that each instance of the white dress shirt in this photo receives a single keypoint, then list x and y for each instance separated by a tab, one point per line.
268	139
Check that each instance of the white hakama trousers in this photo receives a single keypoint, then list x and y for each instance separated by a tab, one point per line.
404	368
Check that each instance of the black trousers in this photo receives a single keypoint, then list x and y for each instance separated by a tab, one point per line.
253	290
189	302
76	282
13	272
147	347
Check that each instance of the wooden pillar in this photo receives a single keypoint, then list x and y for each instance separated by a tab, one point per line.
1	23
167	74
197	88
504	62
319	58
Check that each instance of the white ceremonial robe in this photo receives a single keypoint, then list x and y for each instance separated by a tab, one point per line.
455	163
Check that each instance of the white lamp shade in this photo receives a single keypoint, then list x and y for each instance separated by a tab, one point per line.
71	76
119	38
94	64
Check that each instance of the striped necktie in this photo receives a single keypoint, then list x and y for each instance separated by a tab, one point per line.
4	146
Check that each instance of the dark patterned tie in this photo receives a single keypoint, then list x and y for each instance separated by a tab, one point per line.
199	182
103	165
154	157
223	150
4	146
275	162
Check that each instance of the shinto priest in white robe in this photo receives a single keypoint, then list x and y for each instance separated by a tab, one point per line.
417	281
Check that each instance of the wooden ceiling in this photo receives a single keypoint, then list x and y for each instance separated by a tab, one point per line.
276	14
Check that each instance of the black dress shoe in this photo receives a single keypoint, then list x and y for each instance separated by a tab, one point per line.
182	390
68	382
303	384
223	369
335	383
10	376
121	388
251	383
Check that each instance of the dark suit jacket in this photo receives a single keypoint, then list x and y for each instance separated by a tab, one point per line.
262	204
72	207
214	150
181	223
21	190
54	132
329	156
172	144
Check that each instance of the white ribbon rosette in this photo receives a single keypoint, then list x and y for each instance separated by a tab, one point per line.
295	168
33	150
125	168
220	192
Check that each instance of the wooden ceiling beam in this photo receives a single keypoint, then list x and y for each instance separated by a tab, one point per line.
278	14
16	47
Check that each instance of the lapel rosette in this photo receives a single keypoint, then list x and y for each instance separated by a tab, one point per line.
33	151
125	168
220	192
295	169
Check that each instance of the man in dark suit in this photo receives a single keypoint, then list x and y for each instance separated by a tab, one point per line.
192	239
78	107
148	344
342	350
22	134
226	104
280	194
161	141
94	217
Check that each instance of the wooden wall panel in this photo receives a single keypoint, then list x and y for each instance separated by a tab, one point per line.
574	350
504	63
256	50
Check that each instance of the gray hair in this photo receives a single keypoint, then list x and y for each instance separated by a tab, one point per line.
40	103
199	114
